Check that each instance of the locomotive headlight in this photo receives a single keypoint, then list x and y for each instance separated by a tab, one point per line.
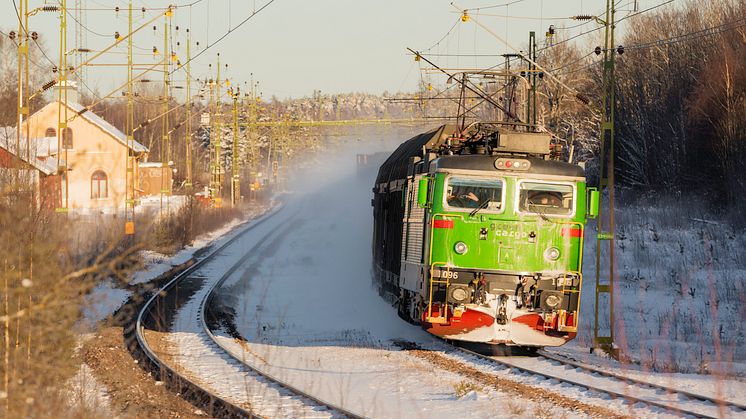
551	254
552	301
460	248
459	294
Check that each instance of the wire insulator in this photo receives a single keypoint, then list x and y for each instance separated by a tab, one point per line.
583	17
48	85
50	8
583	98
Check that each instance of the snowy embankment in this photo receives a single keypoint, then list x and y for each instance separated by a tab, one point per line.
108	296
680	292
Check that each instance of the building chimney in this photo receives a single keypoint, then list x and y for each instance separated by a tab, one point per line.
68	87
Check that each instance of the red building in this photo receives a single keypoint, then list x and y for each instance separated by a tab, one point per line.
37	176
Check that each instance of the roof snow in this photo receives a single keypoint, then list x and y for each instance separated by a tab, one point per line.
101	123
40	161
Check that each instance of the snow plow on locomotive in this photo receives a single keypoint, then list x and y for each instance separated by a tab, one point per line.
478	235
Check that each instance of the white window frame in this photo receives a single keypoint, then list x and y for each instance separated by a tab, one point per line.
475	177
517	207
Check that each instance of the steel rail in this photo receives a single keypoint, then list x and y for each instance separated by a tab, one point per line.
629	380
207	302
214	399
612	393
145	311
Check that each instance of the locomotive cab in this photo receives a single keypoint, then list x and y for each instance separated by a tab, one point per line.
505	246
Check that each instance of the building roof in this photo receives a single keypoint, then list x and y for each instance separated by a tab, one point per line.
101	123
111	129
40	162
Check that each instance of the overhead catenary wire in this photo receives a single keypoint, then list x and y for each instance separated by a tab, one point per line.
109	9
210	45
710	31
572	37
444	36
510	3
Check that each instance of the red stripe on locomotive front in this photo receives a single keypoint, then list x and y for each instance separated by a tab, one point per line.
442	223
571	232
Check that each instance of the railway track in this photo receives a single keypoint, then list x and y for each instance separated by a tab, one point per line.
159	312
637	393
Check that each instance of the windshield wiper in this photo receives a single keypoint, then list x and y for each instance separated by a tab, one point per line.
481	206
535	210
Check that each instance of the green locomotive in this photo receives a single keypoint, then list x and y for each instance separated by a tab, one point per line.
478	235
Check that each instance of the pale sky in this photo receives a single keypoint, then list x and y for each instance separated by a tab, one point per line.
296	46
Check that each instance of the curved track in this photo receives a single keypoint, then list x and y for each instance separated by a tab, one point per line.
161	308
637	393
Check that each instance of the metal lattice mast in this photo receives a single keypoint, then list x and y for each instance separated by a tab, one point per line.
62	118
80	36
188	136
130	177
235	176
164	124
217	168
606	223
250	135
23	100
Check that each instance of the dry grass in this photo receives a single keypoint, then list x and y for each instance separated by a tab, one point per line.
465	387
43	280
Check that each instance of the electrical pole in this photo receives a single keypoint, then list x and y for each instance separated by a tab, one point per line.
250	137
80	36
62	136
165	155
130	176
606	223
23	104
217	167
235	176
188	141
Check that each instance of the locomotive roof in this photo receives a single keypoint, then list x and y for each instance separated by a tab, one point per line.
487	163
395	167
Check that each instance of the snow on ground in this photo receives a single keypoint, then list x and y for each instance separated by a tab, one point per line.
584	377
105	298
732	389
680	295
153	204
199	359
86	392
157	263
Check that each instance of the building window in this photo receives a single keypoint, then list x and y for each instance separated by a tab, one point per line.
67	138
51	132
99	185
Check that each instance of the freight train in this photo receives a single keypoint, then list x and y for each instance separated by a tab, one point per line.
478	234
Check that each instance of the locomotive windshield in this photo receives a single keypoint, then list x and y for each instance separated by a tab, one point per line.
472	193
546	198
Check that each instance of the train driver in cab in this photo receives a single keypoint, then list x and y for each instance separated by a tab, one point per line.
462	197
